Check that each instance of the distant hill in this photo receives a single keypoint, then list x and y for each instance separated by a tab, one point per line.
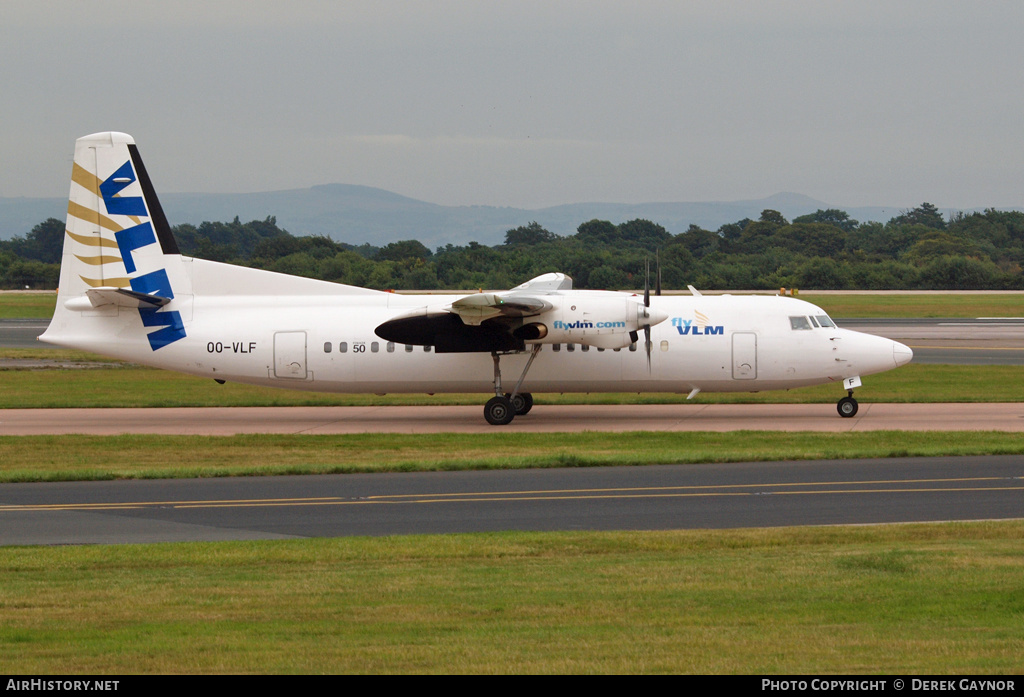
358	214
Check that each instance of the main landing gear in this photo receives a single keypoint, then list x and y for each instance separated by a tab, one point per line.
502	408
847	406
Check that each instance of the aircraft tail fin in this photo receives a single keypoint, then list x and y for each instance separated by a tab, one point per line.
120	259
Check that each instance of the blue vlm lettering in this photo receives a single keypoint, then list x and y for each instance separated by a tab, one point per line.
157	283
171	328
697	331
686	327
111	187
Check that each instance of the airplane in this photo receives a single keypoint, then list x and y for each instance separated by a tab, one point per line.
127	292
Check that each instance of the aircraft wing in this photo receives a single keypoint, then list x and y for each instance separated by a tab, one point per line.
478	322
474	309
545	309
548	282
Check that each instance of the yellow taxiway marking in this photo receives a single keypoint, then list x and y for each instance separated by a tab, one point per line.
688	491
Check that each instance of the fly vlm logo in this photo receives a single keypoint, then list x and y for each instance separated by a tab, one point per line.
584	324
579	324
699	327
130	239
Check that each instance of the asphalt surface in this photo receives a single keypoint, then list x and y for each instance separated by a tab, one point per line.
832	492
22	333
214	421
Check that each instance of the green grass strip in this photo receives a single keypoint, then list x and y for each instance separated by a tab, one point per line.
80	457
27	305
909	599
915	305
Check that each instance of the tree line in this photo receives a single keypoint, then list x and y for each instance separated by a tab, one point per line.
918	249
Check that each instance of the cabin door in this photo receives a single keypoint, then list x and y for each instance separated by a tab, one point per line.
744	356
290	355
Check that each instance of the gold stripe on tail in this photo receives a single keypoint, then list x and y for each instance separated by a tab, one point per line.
107	282
95	241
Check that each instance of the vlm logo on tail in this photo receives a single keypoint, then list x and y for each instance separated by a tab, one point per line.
701	326
155	283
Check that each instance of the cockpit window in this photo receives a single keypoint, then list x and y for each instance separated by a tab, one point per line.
824	321
799	323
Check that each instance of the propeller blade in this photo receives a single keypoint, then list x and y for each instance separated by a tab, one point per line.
647	283
647	304
647	345
657	274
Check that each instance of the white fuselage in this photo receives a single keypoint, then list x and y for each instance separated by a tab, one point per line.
326	342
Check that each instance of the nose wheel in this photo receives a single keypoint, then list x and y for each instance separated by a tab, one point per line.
847	406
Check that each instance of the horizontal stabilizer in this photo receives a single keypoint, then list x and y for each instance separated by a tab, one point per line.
99	297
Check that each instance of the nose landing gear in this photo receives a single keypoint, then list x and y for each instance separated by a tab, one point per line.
847	406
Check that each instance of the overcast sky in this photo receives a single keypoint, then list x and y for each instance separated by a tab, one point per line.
527	104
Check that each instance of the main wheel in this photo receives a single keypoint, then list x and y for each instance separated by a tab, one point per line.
847	407
522	403
499	411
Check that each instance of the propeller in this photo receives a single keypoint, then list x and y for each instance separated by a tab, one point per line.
647	304
647	299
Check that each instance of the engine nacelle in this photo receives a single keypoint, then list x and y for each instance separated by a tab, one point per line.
603	322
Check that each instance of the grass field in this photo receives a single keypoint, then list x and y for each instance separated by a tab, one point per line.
27	305
80	457
911	599
920	305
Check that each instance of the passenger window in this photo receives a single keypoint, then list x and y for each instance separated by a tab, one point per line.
327	347
391	347
556	347
570	347
408	348
342	347
599	349
585	347
664	345
375	346
799	323
632	347
426	349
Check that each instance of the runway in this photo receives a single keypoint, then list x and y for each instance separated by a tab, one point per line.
832	492
214	421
